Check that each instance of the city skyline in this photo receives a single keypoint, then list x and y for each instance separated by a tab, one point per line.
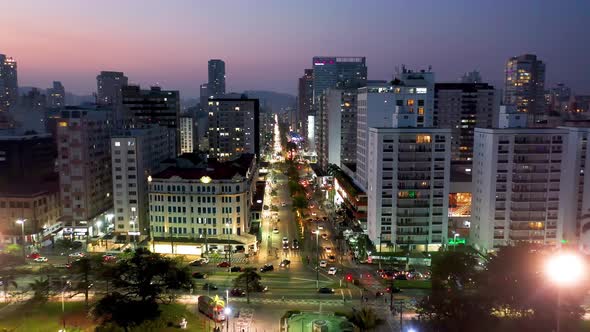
175	42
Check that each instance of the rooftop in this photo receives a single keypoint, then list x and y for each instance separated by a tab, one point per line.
213	169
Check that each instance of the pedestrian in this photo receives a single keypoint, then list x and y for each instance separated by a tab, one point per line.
283	299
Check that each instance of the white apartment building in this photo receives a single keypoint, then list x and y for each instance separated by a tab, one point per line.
136	153
202	205
187	129
517	186
408	103
408	172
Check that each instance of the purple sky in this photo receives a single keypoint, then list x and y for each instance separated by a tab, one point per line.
267	44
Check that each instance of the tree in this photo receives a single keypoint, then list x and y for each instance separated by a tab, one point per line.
13	249
85	269
249	281
140	283
453	269
10	260
299	202
40	288
365	319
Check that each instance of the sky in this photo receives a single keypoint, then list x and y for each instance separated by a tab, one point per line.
267	44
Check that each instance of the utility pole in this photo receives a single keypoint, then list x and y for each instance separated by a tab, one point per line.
317	263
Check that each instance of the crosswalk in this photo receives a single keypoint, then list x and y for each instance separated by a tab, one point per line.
244	320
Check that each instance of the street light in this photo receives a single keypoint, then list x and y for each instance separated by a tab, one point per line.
227	312
22	228
228	225
565	270
317	261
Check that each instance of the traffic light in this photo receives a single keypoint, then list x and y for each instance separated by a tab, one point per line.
349	277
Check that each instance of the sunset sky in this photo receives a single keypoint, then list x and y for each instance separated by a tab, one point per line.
267	44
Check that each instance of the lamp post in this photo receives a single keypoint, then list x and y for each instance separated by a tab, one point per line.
565	269
228	225
317	261
22	229
227	312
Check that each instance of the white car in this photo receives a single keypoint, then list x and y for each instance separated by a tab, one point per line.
323	264
332	271
328	249
285	240
283	204
77	254
41	259
275	230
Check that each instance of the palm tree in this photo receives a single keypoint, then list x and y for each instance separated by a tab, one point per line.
8	280
249	281
365	319
40	288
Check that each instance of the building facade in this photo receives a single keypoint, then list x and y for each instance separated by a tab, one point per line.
187	134
8	83
462	107
304	100
56	95
109	85
216	75
234	127
408	188
206	204
338	72
525	85
516	186
84	161
136	154
336	128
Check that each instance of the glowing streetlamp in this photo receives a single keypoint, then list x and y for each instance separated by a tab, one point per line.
565	270
21	222
227	312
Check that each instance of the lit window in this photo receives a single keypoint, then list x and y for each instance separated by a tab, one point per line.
117	143
423	139
410	102
420	110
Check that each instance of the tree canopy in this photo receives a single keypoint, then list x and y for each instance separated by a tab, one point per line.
249	281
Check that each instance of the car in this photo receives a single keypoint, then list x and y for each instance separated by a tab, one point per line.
77	254
33	255
204	260
285	240
197	262
323	264
208	286
283	204
199	275
395	290
332	271
267	267
295	244
328	249
331	258
285	246
285	263
314	214
326	290
109	258
324	236
40	259
275	230
235	269
237	292
224	264
401	276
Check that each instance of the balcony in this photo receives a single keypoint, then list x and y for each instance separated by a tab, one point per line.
412	215
413	224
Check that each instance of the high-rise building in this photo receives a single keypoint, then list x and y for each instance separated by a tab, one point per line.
33	100
216	83
516	181
304	100
109	86
234	127
203	205
56	96
84	157
203	95
462	107
26	159
408	187
407	103
336	130
525	85
152	107
187	137
471	77
136	154
8	83
338	72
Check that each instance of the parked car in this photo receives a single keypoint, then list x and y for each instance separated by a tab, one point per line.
109	258
77	254
331	258
33	255
324	236
285	263
332	271
395	290
199	275
323	264
235	269
326	290
208	286
267	267
328	249
401	276
197	262
40	259
283	204
275	230
224	264
237	292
